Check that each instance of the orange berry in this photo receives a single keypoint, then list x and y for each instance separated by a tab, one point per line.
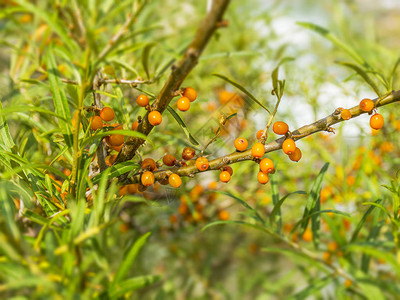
107	114
173	219
147	178
116	139
296	155
259	134
190	93
280	127
96	123
135	125
188	153
67	172
225	176
345	114
266	165
183	209
228	169
142	100
258	150
155	118
169	160
212	185
348	283
225	96
366	104
307	235
175	180
149	164
117	148
133	188
262	177
241	144
123	190
223	215
333	246
376	121
202	163
183	104
288	146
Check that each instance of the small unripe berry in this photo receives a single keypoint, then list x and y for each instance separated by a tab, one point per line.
183	104
262	177
266	165
376	122
188	153
175	180
147	178
169	160
345	114
202	163
367	105
155	118
96	123
280	127
228	169
224	176
190	93
135	125
259	134
258	150
288	146
149	164
142	100
241	144
107	114
296	155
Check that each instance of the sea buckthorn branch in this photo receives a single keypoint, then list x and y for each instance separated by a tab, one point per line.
178	74
323	124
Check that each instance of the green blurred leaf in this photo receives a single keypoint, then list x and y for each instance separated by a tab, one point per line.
98	135
313	287
182	124
362	221
132	284
274	76
117	170
278	205
145	58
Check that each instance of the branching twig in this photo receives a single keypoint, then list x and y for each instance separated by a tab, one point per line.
320	125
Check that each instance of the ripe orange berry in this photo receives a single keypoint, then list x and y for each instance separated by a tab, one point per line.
96	123
262	177
288	146
202	163
142	100
147	178
169	160
173	219
155	118
190	93
280	127
241	144
223	215
133	188
366	104
67	172
117	148
296	155
175	180
149	164
107	114
266	165
188	153
135	125
116	139
258	150
307	235
212	185
183	104
345	114
228	169
225	176
259	134
376	121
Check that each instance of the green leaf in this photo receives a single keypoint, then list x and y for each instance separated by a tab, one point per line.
278	205
145	57
313	197
275	72
129	259
6	140
362	221
314	213
363	74
132	284
277	217
59	98
116	170
258	227
102	134
244	90
182	124
313	287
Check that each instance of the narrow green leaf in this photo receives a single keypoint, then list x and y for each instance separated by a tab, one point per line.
274	76
376	203
59	98
244	90
313	287
98	135
258	227
182	124
277	218
129	259
278	205
362	221
132	284
314	213
145	57
117	170
5	137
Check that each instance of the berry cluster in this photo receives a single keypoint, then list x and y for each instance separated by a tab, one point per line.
367	105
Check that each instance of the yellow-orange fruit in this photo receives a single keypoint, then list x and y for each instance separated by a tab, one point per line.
96	123
367	104
223	215
280	127
155	118
135	125
202	163
107	114
142	100
183	104
149	164
241	144
258	150
169	160
188	153
190	93
266	165
376	122
345	114
296	155
262	177
175	180
259	134
224	176
116	139
147	178
288	146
